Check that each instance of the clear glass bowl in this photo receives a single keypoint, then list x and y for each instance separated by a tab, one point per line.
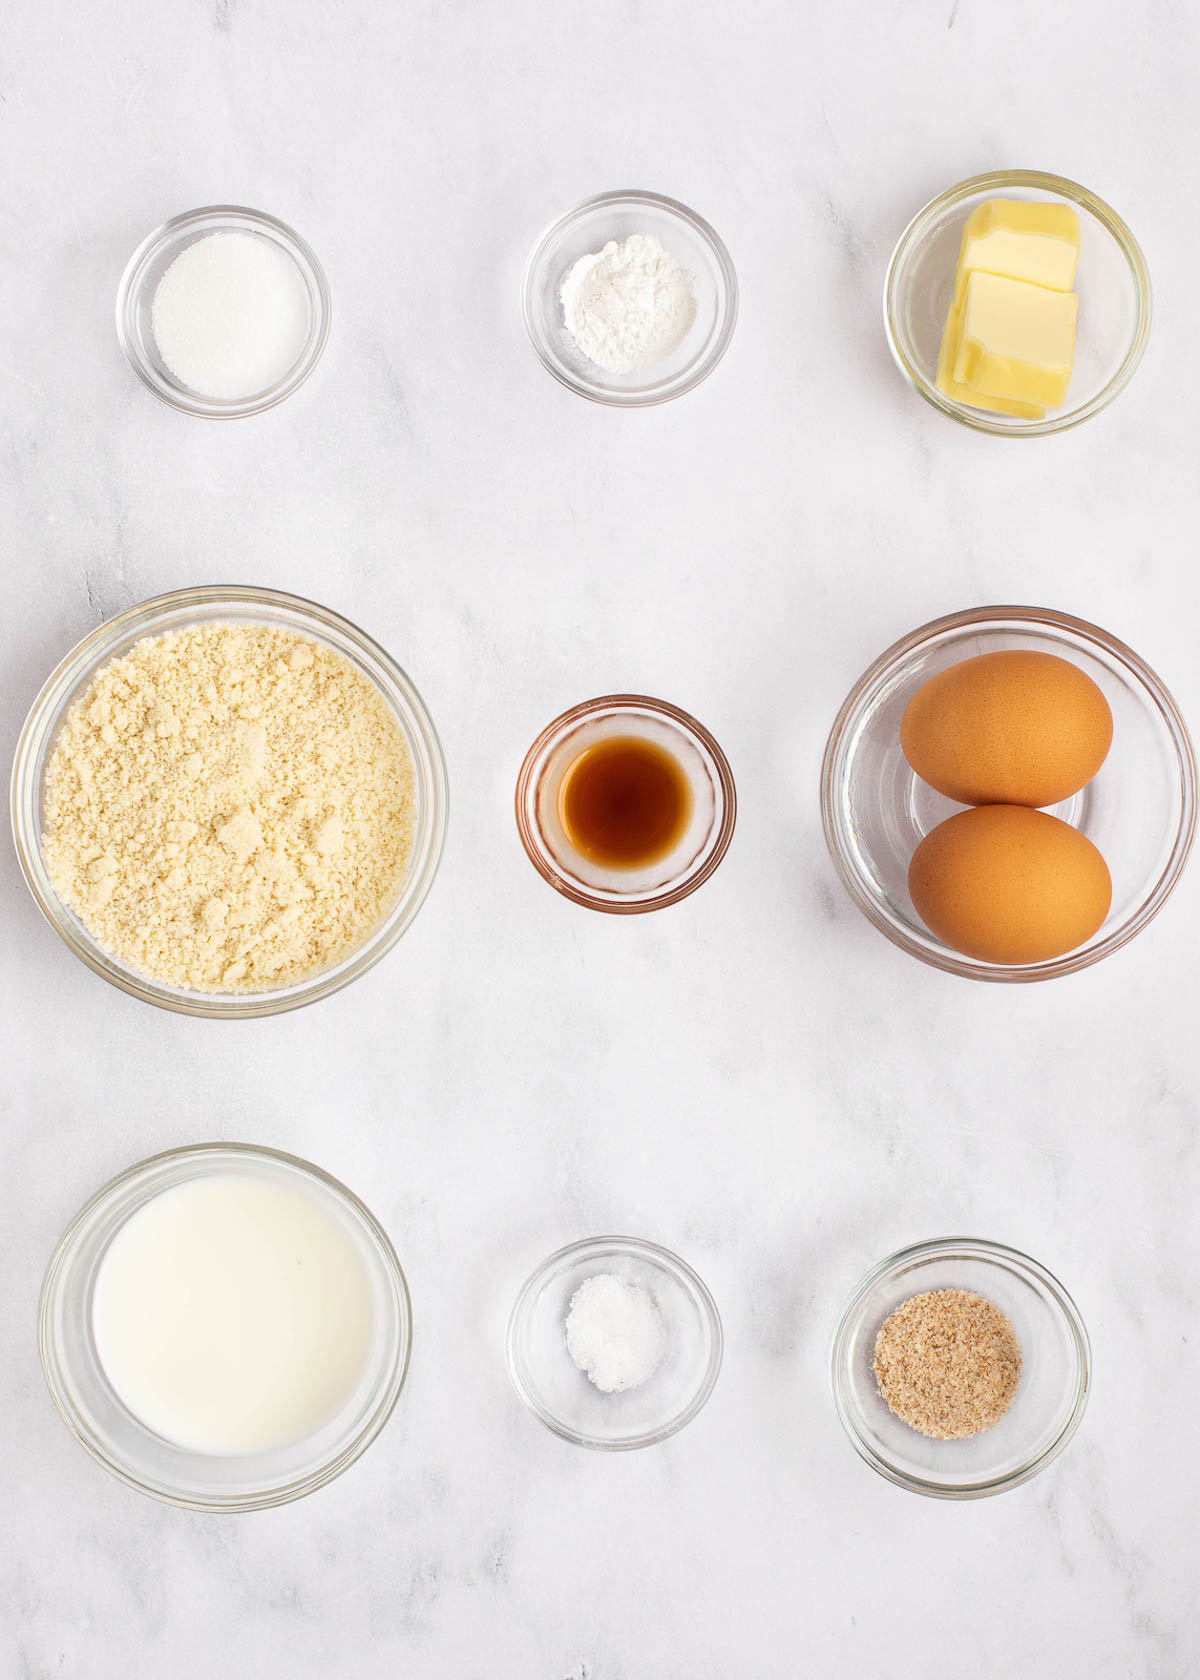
694	246
225	604
562	1396
120	1441
687	865
1050	1397
149	263
1113	284
1139	810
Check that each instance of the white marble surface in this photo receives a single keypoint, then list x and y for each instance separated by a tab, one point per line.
755	1078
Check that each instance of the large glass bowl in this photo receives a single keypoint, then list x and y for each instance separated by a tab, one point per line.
225	604
1139	810
117	1439
1050	1397
1112	283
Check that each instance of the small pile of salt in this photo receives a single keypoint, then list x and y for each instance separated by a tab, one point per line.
230	316
615	1333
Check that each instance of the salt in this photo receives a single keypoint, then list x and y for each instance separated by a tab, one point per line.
230	316
615	1333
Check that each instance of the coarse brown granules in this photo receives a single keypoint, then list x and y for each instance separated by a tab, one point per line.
947	1363
229	807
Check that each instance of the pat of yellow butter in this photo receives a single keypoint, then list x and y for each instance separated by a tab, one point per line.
1024	240
949	386
1016	340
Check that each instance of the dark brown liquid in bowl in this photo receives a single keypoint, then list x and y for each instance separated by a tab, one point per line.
624	802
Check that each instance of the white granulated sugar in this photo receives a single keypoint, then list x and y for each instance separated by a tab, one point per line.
629	305
230	316
615	1333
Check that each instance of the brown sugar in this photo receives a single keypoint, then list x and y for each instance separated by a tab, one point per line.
947	1363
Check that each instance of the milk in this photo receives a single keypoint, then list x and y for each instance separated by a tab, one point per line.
232	1314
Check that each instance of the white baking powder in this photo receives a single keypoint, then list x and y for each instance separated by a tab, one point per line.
230	316
629	305
615	1333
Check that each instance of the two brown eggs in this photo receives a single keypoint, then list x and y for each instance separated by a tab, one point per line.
1008	734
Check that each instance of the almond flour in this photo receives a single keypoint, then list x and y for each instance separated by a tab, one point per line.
947	1363
229	807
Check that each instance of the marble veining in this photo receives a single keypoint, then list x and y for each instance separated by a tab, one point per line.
754	1078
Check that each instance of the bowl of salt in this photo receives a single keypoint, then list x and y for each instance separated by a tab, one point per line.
223	312
614	1343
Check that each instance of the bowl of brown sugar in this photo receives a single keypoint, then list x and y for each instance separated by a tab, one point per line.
960	1368
229	801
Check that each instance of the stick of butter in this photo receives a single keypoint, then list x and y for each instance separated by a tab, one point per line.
949	386
1033	240
1016	340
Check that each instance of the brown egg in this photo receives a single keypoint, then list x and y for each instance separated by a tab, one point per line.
1012	728
1008	884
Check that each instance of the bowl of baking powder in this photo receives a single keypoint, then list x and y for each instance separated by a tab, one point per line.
630	299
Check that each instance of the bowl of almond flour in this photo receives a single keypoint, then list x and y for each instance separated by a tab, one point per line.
960	1368
229	801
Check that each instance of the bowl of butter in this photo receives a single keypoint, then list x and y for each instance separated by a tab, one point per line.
1018	303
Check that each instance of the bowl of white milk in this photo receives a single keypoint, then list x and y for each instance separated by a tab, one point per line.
225	1327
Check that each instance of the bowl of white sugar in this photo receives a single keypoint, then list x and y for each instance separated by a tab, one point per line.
223	312
630	299
614	1343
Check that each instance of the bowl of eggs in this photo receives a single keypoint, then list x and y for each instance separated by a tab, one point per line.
1009	793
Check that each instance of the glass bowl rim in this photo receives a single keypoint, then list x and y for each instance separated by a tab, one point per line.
87	657
300	1485
576	891
238	216
945	959
976	1248
1064	188
639	1247
663	390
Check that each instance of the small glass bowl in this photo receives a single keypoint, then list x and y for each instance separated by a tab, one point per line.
225	604
687	865
1050	1397
1139	810
694	246
148	264
1113	284
118	1440
563	1397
